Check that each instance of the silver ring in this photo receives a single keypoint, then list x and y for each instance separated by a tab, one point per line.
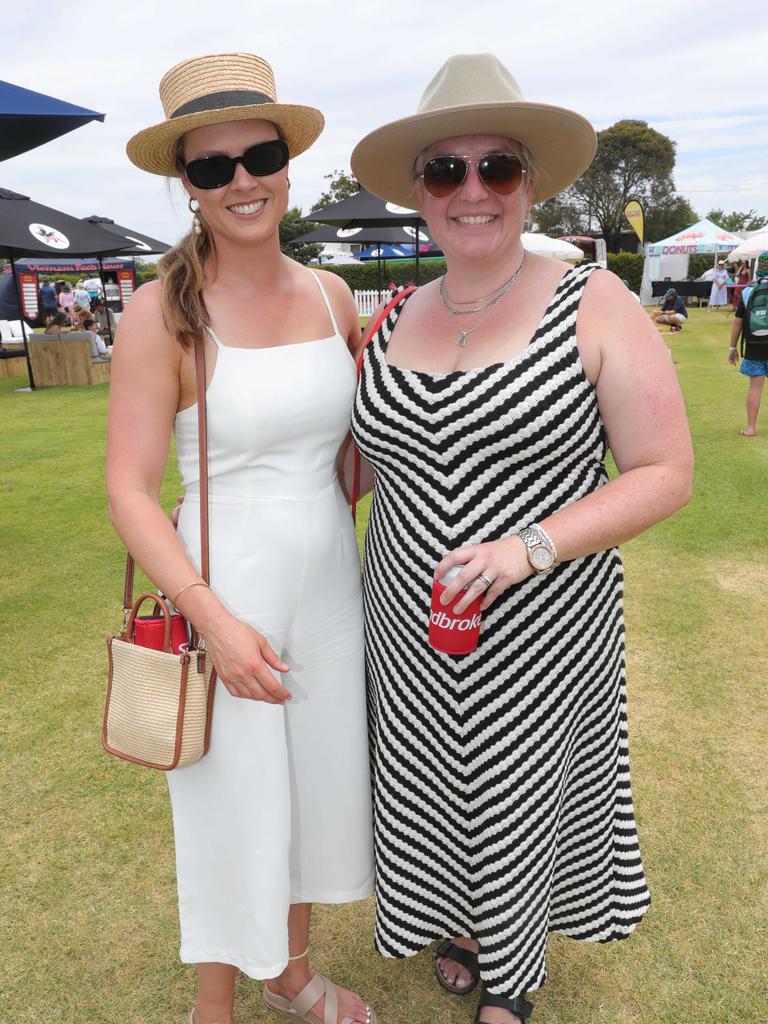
488	583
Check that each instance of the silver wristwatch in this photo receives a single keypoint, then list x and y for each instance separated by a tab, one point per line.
542	553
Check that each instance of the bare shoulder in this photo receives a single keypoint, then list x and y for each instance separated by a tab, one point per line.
334	284
144	301
143	316
344	306
611	323
142	340
608	307
144	312
604	286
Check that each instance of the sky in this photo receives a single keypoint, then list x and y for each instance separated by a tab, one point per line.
693	70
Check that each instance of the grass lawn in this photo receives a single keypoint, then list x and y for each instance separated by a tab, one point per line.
88	930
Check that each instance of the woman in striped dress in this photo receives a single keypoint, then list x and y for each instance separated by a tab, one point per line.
487	403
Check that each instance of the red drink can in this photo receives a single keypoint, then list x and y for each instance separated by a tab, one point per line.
449	632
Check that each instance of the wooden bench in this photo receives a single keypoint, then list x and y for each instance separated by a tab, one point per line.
12	362
65	360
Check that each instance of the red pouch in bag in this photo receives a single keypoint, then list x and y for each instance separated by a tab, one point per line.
150	630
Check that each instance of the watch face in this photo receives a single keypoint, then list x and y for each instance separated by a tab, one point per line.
541	558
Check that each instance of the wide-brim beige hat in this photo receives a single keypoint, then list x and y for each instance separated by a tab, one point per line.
213	89
474	94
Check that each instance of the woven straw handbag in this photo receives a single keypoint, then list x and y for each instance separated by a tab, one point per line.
159	704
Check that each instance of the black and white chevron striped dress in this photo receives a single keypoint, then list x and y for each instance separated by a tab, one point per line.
501	779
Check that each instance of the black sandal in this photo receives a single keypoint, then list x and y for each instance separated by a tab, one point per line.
466	958
518	1005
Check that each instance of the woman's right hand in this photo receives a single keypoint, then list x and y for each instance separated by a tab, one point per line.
243	658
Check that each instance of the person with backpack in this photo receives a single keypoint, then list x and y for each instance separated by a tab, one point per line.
751	325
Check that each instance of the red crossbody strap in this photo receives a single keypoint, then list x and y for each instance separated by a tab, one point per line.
202	439
370	333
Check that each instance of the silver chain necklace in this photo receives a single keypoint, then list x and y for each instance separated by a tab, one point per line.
493	300
484	300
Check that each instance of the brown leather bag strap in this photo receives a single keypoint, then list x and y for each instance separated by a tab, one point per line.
202	449
202	442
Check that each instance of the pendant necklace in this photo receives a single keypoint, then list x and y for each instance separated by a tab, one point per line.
487	304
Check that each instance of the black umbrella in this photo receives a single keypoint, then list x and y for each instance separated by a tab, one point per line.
28	228
365	210
398	234
139	245
29	119
136	243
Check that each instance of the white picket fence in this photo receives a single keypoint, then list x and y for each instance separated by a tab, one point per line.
368	299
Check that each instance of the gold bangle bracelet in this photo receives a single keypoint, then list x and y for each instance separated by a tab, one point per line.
195	583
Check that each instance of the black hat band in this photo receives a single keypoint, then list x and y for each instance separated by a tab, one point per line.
219	100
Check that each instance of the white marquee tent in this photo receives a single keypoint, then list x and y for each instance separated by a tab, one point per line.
556	248
669	257
751	247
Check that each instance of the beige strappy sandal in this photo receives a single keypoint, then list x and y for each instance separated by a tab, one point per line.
299	1008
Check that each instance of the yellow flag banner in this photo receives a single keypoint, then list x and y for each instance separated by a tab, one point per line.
633	211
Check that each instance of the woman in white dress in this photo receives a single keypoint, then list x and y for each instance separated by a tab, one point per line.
277	814
718	295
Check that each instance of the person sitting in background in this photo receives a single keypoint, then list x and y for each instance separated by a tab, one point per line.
99	349
672	312
80	315
59	323
105	317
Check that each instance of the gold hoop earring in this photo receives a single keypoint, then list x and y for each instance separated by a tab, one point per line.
197	226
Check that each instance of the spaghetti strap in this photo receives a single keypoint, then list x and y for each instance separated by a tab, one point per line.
218	342
326	300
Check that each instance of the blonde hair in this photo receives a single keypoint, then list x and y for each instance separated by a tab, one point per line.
181	272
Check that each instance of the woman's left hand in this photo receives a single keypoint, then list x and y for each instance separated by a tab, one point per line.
504	562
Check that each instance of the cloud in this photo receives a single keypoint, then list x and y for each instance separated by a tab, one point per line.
367	63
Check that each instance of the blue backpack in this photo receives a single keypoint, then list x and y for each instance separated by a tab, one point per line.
754	326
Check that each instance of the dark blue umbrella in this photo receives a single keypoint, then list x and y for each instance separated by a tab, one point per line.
386	252
29	119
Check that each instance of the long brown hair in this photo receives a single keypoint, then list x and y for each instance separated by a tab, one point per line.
181	272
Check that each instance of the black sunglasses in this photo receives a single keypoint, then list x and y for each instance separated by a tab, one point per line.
501	172
259	160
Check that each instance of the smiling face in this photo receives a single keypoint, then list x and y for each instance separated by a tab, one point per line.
249	208
475	222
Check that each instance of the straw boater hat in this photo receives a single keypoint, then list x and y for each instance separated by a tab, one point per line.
474	94
216	88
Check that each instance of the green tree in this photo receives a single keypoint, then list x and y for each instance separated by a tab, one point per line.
145	272
736	221
633	161
557	216
341	186
291	226
668	215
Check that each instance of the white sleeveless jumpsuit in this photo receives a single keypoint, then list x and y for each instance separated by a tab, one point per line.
278	811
